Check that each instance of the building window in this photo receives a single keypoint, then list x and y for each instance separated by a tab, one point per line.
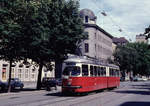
33	73
4	74
86	47
26	73
95	36
13	73
20	73
86	18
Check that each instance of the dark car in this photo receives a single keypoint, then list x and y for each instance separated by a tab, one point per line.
16	83
3	86
49	82
122	78
59	82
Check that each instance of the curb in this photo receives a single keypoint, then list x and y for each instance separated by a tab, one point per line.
20	92
26	92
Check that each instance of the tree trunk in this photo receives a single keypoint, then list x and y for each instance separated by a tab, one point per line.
9	79
58	68
38	87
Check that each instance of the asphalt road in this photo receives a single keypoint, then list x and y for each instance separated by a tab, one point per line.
128	94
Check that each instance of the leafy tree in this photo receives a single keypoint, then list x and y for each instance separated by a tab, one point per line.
133	57
52	31
147	32
66	30
10	31
40	30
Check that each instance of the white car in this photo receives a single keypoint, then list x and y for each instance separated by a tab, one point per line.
144	79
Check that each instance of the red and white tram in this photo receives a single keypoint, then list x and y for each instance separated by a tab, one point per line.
85	75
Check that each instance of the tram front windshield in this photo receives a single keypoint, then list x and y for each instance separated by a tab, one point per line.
72	71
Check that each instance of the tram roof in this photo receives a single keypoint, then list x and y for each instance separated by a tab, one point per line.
78	59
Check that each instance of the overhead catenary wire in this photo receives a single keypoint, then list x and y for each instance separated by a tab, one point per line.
103	12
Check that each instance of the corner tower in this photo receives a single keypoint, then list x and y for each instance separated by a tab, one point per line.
88	16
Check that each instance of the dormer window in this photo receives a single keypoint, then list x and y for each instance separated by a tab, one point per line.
86	19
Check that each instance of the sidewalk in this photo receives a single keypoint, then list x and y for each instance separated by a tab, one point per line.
29	87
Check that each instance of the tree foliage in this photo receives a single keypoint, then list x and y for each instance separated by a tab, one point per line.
10	32
133	57
147	32
40	30
53	30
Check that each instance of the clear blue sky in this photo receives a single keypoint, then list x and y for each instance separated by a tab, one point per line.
131	16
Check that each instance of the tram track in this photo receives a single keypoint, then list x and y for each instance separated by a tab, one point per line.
86	99
59	100
105	94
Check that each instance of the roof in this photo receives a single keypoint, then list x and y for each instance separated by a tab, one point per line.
87	12
120	40
99	28
86	60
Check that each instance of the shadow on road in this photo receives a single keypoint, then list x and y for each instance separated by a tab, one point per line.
148	88
134	92
23	90
60	94
143	85
136	104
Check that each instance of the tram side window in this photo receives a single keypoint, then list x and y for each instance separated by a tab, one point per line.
117	73
110	72
104	73
102	69
98	71
91	71
85	70
113	72
95	70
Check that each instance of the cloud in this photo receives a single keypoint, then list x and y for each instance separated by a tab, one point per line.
132	16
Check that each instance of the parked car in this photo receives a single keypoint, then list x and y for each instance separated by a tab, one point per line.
3	86
49	82
122	78
144	79
59	82
137	79
16	83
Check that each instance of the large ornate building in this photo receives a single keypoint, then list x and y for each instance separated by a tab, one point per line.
22	71
141	38
99	42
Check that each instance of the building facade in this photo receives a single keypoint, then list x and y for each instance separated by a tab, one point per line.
99	42
120	41
23	72
141	38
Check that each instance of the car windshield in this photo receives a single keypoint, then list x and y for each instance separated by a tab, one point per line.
72	71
